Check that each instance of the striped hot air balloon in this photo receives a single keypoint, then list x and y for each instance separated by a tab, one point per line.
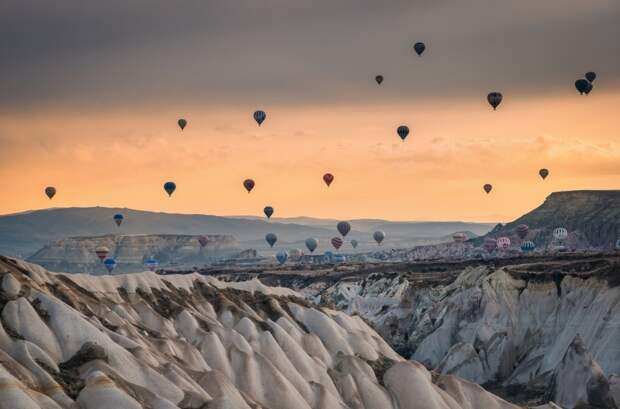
259	117
528	246
337	242
522	231
459	237
490	244
503	243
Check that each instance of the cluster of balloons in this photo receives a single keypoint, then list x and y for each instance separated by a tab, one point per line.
585	86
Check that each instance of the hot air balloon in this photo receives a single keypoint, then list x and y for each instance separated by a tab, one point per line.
459	237
295	254
182	123
343	228
170	187
339	258
109	264
102	252
248	184
560	233
522	231
379	236
590	76
583	86
203	241
282	256
402	131
151	264
118	219
379	79
503	243
354	243
419	48
259	117
328	178
337	242
495	98
618	244
327	256
50	192
489	244
268	211
528	246
487	188
312	244
543	173
271	238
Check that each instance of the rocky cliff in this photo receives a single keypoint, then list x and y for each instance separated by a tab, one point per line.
77	254
141	341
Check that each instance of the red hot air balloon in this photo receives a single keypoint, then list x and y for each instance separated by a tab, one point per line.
248	184
487	188
102	252
337	242
328	178
203	241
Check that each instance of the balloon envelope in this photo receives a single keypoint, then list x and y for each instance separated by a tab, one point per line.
50	191
459	237
590	76
259	117
522	230
379	236
543	173
528	246
282	256
268	211
487	188
354	243
118	219
312	244
203	241
109	264
419	48
503	243
583	86
328	178
182	123
151	264
560	233
102	252
170	187
379	79
248	184
271	238
402	131
343	228
495	98
489	244
337	242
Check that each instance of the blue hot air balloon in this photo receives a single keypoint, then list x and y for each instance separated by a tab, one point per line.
118	219
312	244
259	117
282	256
170	187
151	264
528	246
327	257
109	264
271	238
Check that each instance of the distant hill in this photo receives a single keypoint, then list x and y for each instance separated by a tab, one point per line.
25	233
592	218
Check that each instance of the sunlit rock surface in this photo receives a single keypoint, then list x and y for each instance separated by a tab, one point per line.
189	341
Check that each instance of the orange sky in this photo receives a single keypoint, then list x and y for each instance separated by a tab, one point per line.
121	159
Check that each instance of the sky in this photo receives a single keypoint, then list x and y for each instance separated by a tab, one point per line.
91	93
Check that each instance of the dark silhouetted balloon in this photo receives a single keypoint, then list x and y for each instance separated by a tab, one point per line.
312	244
248	184
379	79
543	173
419	48
487	188
495	98
489	244
259	117
109	264
337	242
379	236
459	237
271	238
203	241
522	231
182	123
102	252
528	246
503	243
583	86
402	131
328	178
268	211
343	228
354	243
118	219
282	256
151	264
170	187
50	191
590	76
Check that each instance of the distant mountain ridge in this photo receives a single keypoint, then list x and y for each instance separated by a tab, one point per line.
22	234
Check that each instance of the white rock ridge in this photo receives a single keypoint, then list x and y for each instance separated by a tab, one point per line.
193	342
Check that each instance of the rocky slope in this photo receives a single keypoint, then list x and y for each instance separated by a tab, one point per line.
534	330
77	254
193	342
